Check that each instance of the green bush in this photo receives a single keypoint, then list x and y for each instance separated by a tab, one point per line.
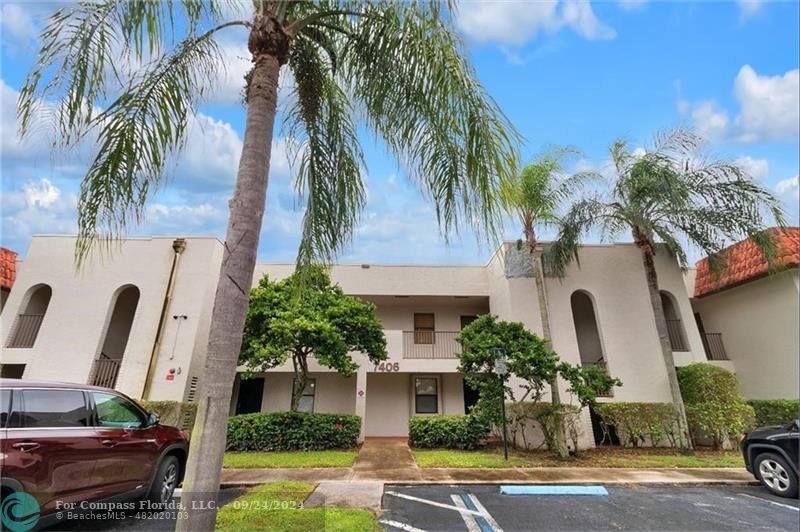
775	411
714	408
639	424
450	432
528	414
292	431
173	413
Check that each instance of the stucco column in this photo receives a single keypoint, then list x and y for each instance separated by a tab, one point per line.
361	399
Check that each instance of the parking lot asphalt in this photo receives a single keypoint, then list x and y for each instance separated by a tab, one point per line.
436	508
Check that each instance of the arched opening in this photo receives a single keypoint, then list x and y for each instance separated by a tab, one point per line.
590	347
677	335
29	321
106	366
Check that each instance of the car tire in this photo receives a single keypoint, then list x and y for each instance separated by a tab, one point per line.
776	475
165	481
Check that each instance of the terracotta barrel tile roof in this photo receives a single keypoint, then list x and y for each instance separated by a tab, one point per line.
8	268
747	263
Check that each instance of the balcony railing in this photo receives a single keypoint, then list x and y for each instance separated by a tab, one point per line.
430	344
26	329
715	349
676	338
104	372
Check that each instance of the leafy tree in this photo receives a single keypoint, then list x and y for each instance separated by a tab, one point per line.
529	360
133	72
305	315
535	197
672	195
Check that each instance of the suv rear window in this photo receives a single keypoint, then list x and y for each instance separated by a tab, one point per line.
5	407
54	408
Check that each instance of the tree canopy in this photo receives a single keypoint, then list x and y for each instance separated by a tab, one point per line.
306	315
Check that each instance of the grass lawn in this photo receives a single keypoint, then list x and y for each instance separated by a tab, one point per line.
277	507
290	459
603	457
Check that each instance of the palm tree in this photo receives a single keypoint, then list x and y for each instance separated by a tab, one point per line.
133	72
672	195
535	197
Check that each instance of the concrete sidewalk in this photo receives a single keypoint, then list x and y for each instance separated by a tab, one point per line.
536	475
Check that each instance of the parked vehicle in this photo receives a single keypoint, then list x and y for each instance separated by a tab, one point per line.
771	454
69	443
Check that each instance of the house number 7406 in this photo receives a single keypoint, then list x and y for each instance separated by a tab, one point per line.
388	366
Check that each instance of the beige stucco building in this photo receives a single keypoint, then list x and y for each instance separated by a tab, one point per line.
136	317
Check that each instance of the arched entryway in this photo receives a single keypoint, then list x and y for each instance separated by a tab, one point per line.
677	334
115	339
590	346
29	321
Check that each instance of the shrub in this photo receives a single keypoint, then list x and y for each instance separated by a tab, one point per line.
775	411
174	413
292	431
450	432
638	424
714	408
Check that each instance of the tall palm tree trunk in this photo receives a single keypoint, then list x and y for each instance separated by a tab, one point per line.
646	247
559	435
201	483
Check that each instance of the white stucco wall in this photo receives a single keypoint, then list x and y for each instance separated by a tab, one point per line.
758	322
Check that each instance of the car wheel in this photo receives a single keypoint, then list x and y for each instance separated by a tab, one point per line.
165	481
776	475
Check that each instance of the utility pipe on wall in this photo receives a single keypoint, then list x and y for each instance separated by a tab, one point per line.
178	246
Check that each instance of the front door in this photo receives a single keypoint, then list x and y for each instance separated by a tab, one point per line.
251	392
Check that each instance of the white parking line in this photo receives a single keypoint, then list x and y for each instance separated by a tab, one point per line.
469	520
485	513
400	526
433	503
772	502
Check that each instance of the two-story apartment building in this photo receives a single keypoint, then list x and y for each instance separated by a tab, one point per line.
136	318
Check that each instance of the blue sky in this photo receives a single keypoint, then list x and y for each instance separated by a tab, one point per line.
566	73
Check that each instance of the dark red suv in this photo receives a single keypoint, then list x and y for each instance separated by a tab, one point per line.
69	443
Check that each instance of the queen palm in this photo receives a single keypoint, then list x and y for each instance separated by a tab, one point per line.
672	196
132	73
535	197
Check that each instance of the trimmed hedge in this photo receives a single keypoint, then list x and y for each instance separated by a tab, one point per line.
775	411
714	408
175	413
639	424
292	431
449	432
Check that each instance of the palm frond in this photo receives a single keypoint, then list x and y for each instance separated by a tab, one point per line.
329	174
581	217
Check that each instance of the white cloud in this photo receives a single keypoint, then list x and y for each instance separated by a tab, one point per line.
17	22
707	118
748	8
770	106
755	168
39	207
769	109
789	188
210	156
518	22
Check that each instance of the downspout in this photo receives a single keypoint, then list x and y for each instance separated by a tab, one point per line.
178	245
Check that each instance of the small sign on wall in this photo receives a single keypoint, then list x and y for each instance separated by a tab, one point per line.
171	374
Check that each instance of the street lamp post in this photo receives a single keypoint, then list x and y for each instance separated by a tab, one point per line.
501	368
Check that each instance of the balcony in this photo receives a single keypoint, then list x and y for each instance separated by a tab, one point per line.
104	372
715	349
26	329
430	345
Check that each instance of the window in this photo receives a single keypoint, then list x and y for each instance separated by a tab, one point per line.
54	408
426	395
466	320
424	327
307	399
5	407
115	412
12	371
